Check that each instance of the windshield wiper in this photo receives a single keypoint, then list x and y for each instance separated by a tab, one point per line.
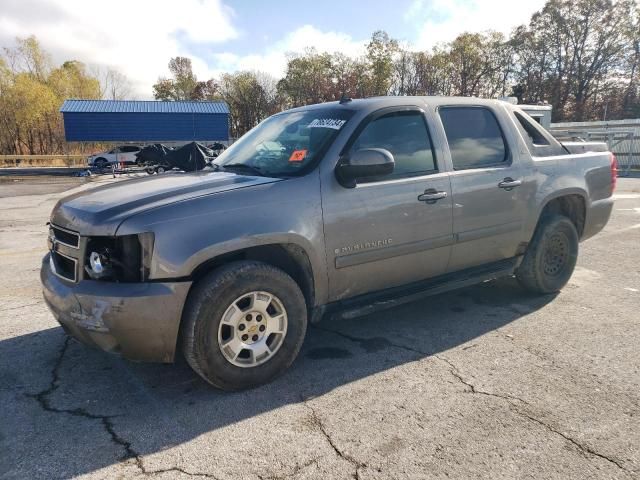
244	166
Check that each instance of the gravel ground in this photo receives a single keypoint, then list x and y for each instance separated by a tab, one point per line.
486	382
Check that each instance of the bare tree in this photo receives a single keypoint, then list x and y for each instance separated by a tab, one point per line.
115	85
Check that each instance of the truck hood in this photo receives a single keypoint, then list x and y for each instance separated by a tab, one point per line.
101	210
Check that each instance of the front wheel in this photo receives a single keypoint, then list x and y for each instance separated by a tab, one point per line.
551	256
243	325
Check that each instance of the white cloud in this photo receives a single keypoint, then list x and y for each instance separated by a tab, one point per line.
439	21
134	36
137	37
273	60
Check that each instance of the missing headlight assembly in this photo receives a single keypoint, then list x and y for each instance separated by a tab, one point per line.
119	259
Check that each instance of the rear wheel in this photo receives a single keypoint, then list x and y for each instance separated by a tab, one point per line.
551	256
244	324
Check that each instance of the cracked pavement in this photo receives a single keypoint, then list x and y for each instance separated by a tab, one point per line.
486	382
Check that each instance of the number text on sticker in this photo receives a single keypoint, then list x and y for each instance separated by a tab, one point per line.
334	123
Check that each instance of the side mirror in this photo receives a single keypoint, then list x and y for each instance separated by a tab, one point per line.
367	162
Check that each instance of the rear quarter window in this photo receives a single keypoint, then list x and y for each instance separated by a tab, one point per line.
539	142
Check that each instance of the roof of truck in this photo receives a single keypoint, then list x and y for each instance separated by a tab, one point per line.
391	101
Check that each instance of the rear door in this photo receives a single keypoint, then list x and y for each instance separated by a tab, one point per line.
386	231
489	204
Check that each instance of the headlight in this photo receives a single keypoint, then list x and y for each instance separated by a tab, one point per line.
120	259
99	264
96	263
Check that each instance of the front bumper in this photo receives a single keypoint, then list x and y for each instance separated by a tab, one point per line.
139	321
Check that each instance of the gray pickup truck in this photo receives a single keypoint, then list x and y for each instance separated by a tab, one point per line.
336	208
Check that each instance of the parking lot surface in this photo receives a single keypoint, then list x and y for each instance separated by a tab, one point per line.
486	382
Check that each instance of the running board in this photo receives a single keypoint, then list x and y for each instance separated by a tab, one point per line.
392	297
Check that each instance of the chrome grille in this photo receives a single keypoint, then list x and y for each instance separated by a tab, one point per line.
64	266
65	237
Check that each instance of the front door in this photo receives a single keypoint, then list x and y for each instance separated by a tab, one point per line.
489	202
390	230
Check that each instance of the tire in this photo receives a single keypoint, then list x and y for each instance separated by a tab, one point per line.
101	163
160	170
223	295
550	257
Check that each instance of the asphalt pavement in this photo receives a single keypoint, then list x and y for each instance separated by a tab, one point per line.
41	171
487	382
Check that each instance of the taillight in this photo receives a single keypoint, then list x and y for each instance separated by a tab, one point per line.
614	172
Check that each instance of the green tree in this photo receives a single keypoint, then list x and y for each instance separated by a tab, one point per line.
251	97
181	86
308	79
380	53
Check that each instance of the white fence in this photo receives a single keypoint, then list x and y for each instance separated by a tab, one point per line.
622	136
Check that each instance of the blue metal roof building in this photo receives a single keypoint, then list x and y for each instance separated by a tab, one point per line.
144	121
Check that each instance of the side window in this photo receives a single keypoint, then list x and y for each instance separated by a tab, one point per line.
405	135
531	133
538	140
474	137
128	149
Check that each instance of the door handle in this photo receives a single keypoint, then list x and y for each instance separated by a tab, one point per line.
431	196
509	184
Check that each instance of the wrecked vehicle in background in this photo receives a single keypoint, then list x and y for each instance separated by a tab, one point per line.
341	207
159	158
152	154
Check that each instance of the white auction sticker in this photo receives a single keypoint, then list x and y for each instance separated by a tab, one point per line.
334	123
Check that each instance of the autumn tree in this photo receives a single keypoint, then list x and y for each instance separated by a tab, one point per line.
380	52
113	84
309	78
251	96
181	85
207	90
32	90
630	107
572	54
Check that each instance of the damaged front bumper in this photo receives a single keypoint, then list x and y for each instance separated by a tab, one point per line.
139	321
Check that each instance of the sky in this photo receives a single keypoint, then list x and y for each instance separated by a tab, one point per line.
138	37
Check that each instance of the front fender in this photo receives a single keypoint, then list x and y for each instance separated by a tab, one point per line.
212	252
189	234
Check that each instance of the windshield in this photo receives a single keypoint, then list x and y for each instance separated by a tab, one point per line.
287	144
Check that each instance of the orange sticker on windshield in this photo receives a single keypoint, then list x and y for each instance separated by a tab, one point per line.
297	155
